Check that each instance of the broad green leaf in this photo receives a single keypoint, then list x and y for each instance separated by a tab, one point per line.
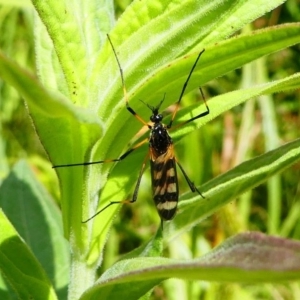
16	3
56	112
232	184
19	267
246	258
68	40
36	218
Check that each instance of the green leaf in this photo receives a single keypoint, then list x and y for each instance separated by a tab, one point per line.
19	267
232	184
16	3
68	41
56	112
37	220
246	258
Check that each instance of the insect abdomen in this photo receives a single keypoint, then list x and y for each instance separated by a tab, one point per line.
165	186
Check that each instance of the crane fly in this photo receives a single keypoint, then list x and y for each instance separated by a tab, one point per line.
161	153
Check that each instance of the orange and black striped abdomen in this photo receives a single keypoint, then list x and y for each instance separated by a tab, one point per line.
164	183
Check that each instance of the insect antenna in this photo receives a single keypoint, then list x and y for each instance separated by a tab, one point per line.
124	87
183	90
154	108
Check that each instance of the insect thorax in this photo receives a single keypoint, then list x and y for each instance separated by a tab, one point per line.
160	139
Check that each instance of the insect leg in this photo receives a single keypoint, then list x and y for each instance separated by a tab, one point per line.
184	88
134	197
196	117
106	160
124	87
190	183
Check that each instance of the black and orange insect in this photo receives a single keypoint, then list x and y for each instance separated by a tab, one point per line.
161	153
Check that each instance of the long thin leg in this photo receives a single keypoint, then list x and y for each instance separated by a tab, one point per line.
190	183
196	117
124	87
106	160
134	197
184	88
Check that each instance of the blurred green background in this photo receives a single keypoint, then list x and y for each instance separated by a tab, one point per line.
244	132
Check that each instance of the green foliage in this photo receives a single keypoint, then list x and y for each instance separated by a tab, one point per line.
77	106
20	267
255	253
37	220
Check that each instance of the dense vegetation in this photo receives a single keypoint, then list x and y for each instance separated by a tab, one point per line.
56	60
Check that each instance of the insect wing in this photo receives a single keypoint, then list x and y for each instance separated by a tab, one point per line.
164	183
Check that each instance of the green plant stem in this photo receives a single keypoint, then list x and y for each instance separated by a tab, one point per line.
81	278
